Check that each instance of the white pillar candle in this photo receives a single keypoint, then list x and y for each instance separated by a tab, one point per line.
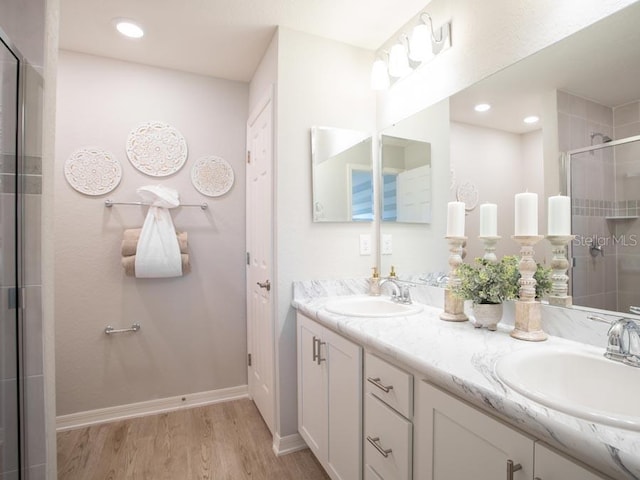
455	219
559	219
526	221
488	220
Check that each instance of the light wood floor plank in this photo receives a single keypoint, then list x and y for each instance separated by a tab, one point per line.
225	441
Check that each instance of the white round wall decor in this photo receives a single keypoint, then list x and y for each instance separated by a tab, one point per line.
212	176
93	171
156	149
468	193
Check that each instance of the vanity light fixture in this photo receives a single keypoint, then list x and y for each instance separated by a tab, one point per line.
398	60
531	119
482	107
129	28
379	75
424	44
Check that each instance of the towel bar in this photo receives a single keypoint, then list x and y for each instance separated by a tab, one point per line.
133	328
110	203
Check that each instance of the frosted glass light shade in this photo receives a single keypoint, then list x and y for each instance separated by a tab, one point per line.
379	75
420	49
398	61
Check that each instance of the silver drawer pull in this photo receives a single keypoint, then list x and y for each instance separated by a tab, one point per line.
512	468
375	442
376	382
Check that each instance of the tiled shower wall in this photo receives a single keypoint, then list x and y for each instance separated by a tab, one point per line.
593	195
605	200
626	123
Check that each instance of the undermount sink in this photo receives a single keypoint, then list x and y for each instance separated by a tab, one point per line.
371	307
582	384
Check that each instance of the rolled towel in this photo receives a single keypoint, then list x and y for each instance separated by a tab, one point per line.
129	264
131	236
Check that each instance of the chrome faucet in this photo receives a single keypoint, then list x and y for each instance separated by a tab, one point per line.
619	341
400	293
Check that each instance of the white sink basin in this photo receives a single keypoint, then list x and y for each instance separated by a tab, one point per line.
583	384
371	307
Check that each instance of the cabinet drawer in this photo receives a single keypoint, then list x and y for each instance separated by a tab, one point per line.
388	441
390	384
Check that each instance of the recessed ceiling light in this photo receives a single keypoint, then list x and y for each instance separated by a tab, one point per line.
482	107
129	29
531	119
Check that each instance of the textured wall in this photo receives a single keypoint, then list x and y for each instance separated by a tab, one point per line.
193	336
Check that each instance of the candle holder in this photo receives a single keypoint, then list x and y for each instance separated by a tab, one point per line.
559	266
489	243
454	306
528	310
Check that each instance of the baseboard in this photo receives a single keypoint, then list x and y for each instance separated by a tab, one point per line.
288	444
151	407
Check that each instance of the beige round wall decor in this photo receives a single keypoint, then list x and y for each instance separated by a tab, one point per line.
156	149
212	176
93	171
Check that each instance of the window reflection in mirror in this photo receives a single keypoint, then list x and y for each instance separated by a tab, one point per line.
342	175
406	180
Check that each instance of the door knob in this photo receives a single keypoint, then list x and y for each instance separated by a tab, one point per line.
266	285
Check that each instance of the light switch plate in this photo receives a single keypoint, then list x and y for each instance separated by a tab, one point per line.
387	244
365	244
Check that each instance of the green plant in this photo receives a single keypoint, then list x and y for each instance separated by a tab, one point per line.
487	282
543	280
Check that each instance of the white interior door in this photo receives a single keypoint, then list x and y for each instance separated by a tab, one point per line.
260	332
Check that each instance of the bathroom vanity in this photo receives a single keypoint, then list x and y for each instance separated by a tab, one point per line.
414	397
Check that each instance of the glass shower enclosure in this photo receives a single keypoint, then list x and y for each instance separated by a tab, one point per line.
604	185
11	334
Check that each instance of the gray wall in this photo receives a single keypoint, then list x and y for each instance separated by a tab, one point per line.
193	336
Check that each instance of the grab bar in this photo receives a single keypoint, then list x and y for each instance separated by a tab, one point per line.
110	203
133	328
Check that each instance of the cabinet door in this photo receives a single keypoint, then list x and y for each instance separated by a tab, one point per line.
550	465
461	442
312	388
344	382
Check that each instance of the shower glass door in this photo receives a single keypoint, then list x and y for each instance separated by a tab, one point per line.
605	196
10	383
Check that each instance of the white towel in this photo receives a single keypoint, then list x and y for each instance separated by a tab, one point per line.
158	253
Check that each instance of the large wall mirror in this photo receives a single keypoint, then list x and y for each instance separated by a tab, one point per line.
342	175
406	180
586	93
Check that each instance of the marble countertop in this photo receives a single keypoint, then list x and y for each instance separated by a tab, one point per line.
461	359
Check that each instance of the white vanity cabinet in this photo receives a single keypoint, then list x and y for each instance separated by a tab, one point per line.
550	465
330	398
455	440
388	429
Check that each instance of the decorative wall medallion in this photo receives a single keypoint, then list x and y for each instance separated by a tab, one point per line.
93	171
468	193
156	149
212	176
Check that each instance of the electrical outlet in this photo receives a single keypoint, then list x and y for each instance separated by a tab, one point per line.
365	244
387	244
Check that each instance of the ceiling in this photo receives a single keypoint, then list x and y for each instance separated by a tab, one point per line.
600	63
223	38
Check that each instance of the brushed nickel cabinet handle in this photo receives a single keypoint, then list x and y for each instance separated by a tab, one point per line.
376	443
511	467
315	348
376	382
319	358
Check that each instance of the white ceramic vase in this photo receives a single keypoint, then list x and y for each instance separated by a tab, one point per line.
487	315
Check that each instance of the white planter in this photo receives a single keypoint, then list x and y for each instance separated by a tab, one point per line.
487	315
